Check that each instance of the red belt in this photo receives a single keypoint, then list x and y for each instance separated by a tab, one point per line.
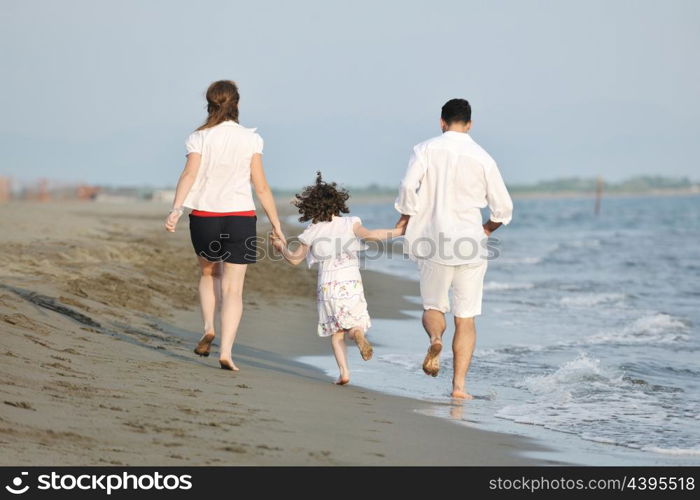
203	213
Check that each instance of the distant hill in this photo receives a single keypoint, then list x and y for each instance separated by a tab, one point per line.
569	185
639	184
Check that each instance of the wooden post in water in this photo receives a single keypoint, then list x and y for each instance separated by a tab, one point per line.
598	194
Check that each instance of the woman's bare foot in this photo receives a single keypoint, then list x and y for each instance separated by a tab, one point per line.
204	345
459	394
227	364
363	345
431	364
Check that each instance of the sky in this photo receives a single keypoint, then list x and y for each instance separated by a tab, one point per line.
107	91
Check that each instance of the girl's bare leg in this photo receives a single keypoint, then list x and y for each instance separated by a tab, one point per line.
231	310
209	299
363	344
339	350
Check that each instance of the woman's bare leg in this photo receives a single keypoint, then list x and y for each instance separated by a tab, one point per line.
231	309
339	350
209	299
209	292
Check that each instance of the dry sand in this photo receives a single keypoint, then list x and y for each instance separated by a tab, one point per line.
98	318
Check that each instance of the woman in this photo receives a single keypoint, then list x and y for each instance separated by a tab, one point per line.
223	159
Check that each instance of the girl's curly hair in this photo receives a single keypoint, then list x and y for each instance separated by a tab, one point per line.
321	201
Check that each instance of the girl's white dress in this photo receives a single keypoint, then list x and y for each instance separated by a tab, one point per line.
340	295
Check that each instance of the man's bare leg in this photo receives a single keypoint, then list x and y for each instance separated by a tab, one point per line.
434	324
462	348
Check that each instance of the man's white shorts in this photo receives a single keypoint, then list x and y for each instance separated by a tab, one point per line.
466	281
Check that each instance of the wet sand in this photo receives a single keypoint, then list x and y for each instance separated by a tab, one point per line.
98	318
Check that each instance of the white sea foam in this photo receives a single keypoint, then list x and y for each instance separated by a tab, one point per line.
409	362
581	369
673	451
500	286
597	403
656	328
591	299
520	260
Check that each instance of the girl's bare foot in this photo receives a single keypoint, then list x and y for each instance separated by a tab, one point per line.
204	345
431	364
363	345
227	364
459	394
343	378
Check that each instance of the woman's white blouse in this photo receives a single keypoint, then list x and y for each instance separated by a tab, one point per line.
223	179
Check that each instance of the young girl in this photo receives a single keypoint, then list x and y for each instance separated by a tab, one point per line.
333	242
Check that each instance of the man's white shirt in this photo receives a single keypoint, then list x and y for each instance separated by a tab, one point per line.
449	179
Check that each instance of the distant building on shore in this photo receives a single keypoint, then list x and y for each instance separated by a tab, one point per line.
163	195
5	193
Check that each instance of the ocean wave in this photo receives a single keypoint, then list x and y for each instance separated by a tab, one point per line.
597	403
507	352
519	260
592	299
658	328
580	370
673	451
500	286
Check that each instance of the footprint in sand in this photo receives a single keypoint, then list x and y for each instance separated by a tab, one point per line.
24	405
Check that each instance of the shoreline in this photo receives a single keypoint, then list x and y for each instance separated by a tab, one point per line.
103	345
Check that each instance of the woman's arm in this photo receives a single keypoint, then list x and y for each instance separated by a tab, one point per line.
376	234
184	184
264	193
293	257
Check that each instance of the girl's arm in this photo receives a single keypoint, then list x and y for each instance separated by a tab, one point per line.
376	234
264	193
184	184
293	257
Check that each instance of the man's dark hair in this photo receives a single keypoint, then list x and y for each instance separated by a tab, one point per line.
456	110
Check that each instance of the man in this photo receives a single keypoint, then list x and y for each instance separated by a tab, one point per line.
449	179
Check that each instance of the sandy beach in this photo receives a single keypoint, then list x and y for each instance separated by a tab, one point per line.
99	315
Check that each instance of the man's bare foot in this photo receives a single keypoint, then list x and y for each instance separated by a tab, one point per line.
342	380
363	345
459	394
227	364
204	345
431	364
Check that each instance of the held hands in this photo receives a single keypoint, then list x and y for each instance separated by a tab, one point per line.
277	242
277	234
172	219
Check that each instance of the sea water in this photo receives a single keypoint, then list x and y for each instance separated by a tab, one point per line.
588	339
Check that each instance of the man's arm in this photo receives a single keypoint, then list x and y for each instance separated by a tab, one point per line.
402	223
407	202
500	203
490	226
